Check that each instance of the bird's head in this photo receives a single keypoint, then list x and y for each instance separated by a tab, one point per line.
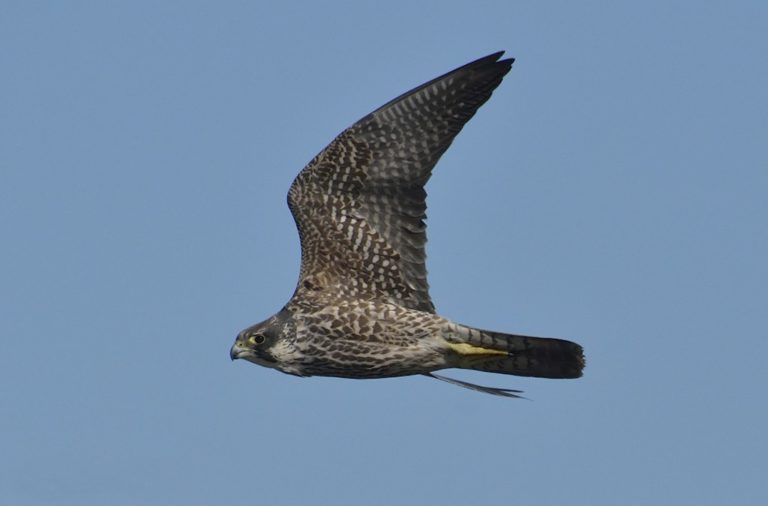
255	342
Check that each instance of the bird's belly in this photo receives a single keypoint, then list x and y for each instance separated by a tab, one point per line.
355	359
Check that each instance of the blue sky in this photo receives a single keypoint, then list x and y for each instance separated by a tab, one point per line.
612	191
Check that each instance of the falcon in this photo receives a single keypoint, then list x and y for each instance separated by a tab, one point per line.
361	308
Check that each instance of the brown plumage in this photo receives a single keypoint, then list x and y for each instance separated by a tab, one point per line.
361	308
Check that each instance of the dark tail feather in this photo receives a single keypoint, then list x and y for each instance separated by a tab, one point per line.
540	357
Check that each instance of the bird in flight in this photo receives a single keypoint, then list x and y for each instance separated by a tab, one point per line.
361	308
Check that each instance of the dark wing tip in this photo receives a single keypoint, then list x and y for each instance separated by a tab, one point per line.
493	58
489	66
492	61
501	392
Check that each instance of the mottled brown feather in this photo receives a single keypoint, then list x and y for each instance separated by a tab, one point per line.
360	204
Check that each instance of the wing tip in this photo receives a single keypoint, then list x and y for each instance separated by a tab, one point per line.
500	392
491	60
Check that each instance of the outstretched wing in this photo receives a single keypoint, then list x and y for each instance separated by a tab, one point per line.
360	204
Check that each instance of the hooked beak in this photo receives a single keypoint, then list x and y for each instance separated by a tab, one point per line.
236	351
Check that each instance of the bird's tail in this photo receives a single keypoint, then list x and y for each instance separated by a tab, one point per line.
541	357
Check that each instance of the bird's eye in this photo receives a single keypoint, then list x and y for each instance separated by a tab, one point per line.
256	338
